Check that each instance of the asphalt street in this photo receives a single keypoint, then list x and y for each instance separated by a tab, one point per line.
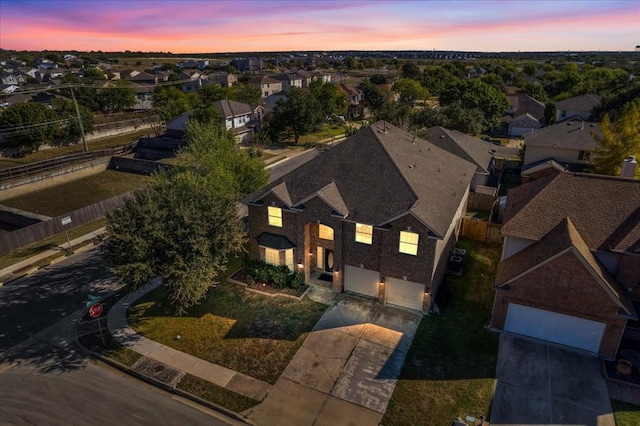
45	379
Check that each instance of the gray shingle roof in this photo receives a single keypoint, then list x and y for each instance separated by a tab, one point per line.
525	104
579	103
228	109
605	210
571	134
464	146
274	241
381	173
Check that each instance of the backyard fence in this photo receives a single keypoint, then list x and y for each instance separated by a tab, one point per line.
481	231
19	238
480	201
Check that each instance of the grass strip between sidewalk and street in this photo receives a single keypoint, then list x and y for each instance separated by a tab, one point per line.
450	368
216	394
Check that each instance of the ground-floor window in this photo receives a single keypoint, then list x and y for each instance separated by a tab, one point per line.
272	257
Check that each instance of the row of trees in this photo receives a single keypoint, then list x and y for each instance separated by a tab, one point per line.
30	125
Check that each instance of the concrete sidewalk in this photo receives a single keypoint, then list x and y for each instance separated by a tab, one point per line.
21	268
221	376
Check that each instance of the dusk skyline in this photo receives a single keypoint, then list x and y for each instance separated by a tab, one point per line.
253	26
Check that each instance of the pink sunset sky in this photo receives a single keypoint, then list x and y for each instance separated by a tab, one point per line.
261	25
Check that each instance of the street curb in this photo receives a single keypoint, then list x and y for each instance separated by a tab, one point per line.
28	271
127	370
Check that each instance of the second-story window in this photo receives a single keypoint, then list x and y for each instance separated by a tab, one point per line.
409	243
275	216
364	233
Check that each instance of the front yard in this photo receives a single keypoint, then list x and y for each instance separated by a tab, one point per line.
254	334
450	369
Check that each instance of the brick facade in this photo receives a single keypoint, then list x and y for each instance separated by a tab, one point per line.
302	228
564	285
629	275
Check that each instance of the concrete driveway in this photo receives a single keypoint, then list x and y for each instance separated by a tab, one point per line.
345	371
541	383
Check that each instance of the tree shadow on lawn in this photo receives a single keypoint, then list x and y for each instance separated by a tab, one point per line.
253	316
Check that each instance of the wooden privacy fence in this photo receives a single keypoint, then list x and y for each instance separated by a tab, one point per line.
19	238
481	230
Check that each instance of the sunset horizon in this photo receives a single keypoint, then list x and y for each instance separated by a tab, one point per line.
197	27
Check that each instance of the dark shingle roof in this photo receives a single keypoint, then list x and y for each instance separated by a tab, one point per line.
379	174
274	241
579	103
562	238
571	134
525	104
605	210
227	108
464	146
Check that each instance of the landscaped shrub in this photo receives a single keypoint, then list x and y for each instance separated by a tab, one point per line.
278	276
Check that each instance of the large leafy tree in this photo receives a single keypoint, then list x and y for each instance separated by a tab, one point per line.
117	98
372	95
300	113
409	91
331	99
69	131
29	125
184	226
620	139
170	102
476	94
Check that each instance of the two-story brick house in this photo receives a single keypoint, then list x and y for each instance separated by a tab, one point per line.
377	215
570	267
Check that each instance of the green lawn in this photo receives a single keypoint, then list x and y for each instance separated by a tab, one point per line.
625	414
76	194
328	131
450	369
253	334
216	394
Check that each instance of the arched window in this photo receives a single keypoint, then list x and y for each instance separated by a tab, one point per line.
326	232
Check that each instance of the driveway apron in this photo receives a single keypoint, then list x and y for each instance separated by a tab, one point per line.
346	369
542	383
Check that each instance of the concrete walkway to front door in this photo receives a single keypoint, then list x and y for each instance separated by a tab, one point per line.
346	370
543	383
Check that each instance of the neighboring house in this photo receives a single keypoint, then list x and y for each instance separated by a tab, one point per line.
467	147
322	76
248	64
223	79
569	143
579	106
570	263
6	89
268	86
377	215
143	78
190	75
9	78
194	85
124	74
236	116
355	96
525	114
144	96
289	80
306	77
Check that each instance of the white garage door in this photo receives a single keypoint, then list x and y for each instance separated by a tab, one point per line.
558	328
362	281
404	293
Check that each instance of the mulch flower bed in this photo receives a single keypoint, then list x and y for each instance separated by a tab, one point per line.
266	287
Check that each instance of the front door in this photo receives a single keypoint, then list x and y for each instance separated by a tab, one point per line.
328	260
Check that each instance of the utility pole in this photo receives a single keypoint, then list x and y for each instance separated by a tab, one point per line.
75	103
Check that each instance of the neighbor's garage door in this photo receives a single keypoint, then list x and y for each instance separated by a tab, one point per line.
558	328
363	281
404	293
